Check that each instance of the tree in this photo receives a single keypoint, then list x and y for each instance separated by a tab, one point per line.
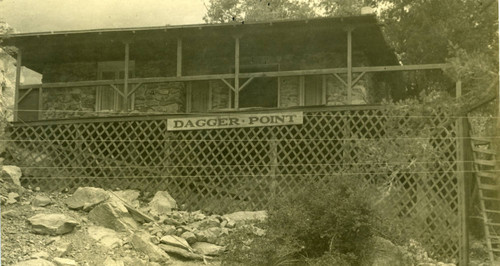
221	11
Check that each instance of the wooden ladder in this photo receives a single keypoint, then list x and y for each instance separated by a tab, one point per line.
488	182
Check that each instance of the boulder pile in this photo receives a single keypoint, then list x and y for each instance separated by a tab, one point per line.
117	220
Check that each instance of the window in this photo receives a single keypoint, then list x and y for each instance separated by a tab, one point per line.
108	99
313	90
260	92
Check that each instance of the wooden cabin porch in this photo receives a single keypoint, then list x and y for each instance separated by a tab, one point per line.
114	128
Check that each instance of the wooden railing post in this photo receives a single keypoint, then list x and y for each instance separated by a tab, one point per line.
349	65
18	83
236	72
125	85
40	103
179	57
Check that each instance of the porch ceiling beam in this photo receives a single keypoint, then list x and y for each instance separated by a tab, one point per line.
116	89
228	84
24	95
246	83
242	75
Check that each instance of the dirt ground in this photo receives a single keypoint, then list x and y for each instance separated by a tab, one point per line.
19	243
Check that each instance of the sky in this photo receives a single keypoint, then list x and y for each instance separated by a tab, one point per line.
57	15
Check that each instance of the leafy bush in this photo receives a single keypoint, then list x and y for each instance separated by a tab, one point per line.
324	223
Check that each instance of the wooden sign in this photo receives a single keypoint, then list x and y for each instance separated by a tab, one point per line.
235	120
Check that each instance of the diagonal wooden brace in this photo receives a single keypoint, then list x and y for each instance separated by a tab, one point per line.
246	83
229	85
117	90
24	95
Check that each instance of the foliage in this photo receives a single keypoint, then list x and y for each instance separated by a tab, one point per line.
462	32
220	11
323	222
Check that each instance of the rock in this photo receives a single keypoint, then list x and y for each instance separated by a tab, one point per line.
229	223
198	216
10	214
180	252
204	224
41	201
52	224
12	197
86	197
64	262
35	262
175	241
208	248
384	253
138	262
211	235
40	255
111	262
169	229
113	214
242	217
63	248
105	237
189	236
130	196
255	230
141	242
162	203
12	173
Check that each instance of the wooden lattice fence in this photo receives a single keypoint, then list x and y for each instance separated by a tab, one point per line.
243	168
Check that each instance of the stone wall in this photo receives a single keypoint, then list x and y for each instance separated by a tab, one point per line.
71	102
160	98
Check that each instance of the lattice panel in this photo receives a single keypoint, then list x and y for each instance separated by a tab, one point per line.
244	168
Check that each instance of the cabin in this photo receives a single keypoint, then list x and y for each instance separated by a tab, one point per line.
224	116
205	68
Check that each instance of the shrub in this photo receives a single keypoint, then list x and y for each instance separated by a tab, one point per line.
324	223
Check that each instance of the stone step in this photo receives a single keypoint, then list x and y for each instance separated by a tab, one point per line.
488	174
486	151
480	140
490	198
489	187
485	162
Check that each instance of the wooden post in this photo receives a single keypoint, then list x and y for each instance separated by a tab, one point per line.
458	88
302	92
237	73
125	84
324	88
189	96
18	83
349	65
463	144
40	103
273	160
179	57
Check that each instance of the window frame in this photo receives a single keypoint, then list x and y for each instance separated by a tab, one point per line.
117	67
